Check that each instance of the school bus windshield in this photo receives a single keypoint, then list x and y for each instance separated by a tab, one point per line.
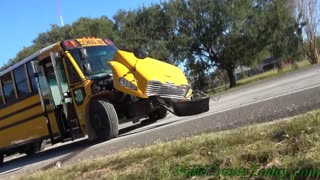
97	59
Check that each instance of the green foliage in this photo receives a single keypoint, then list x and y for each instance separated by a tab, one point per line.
86	27
25	52
285	31
230	33
149	28
55	34
318	42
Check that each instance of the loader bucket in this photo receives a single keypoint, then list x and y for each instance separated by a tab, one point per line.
199	103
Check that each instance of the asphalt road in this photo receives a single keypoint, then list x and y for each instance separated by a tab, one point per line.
269	100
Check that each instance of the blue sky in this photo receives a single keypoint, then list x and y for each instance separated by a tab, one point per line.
21	21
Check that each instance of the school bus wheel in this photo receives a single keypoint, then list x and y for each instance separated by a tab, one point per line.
32	148
104	120
1	159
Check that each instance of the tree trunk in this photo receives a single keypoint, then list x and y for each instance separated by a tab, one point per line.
312	54
232	78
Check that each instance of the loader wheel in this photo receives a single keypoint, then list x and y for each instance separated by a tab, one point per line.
104	120
160	113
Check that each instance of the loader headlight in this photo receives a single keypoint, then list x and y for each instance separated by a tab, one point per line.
125	83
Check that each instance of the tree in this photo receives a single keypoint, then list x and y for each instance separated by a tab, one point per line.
211	33
98	27
308	15
54	35
25	52
149	28
285	33
228	33
318	42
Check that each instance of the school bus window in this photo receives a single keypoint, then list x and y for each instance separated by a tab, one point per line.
79	95
21	81
73	75
7	85
32	77
1	97
98	56
76	56
52	81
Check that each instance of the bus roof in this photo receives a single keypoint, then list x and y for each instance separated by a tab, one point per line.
84	41
25	60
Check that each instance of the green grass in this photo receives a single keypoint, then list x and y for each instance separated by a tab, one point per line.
262	76
303	63
292	143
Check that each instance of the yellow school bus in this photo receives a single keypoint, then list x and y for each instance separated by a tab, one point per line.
86	86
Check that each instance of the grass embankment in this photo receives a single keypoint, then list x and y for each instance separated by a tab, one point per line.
262	76
292	143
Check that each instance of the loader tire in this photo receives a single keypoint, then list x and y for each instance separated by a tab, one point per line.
160	113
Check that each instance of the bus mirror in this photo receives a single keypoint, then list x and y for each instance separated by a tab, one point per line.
84	54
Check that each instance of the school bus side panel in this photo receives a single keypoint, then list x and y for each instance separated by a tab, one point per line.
23	121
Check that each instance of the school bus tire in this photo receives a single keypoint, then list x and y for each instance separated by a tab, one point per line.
1	159
104	120
43	144
32	149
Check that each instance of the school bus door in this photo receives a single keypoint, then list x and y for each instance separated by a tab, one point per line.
46	101
63	97
57	105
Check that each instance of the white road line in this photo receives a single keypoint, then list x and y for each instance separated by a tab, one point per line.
10	171
250	103
216	112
